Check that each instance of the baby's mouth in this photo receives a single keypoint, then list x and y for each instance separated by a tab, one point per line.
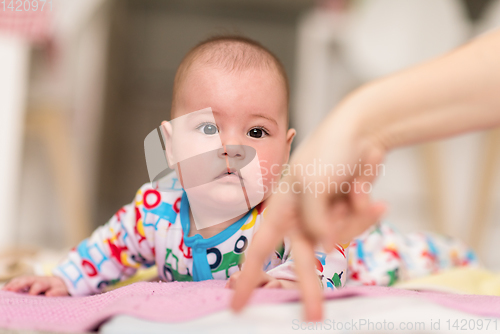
228	174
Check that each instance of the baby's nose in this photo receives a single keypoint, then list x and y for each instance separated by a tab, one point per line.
232	151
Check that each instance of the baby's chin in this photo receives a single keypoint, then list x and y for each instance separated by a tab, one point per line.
225	194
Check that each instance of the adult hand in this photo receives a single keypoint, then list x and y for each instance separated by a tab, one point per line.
446	96
311	217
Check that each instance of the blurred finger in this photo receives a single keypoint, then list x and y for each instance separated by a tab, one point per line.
316	224
9	284
20	283
359	199
56	292
279	218
232	280
39	287
336	217
345	227
264	242
378	210
312	295
359	223
274	284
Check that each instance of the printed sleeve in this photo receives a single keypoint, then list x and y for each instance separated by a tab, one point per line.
331	268
115	250
383	256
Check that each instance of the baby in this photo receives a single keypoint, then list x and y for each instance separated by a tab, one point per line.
247	90
240	91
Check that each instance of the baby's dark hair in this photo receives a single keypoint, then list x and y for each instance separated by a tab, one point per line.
231	53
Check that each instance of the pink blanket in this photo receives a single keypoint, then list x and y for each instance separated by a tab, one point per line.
181	301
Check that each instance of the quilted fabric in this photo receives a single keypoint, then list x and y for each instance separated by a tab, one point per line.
182	301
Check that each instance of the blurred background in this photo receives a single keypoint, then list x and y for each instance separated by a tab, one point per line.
82	83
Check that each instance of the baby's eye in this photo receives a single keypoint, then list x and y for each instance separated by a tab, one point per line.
257	133
208	129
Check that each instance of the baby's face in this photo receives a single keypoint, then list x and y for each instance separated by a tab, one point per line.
249	108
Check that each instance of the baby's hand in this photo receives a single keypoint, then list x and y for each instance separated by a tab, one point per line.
51	286
265	281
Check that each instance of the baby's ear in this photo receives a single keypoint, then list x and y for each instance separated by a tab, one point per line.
290	134
166	130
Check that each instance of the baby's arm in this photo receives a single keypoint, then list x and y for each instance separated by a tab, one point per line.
112	253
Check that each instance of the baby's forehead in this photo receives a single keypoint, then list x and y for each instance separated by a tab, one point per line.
229	57
270	73
232	92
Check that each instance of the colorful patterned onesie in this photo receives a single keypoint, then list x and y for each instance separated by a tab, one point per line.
154	229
